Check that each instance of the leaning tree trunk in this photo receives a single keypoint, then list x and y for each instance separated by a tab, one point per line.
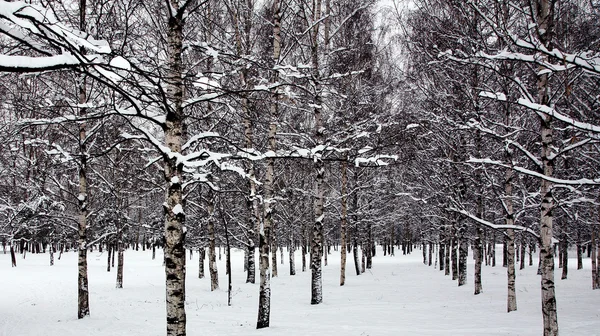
174	251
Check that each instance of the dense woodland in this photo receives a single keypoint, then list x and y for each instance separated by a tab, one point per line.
445	126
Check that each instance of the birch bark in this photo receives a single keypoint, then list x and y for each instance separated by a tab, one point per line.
544	17
174	208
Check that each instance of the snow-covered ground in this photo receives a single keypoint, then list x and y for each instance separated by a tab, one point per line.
399	296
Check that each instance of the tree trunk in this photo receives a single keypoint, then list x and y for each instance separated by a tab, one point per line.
369	247
510	240
579	256
392	240
83	307
316	245
593	250
273	247
431	246
463	252
13	257
478	252
355	256
447	263
597	264
531	248
565	256
454	251
292	256
51	251
264	299
228	259
174	236
243	44
363	263
325	251
544	12
343	221
442	255
303	254
212	257
201	257
109	253
523	247
505	251
120	264
493	249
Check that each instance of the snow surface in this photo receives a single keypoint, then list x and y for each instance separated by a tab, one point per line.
399	296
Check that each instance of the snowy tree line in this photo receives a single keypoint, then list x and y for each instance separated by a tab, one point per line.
203	125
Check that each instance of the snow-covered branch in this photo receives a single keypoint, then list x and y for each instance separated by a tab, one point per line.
35	22
492	225
522	170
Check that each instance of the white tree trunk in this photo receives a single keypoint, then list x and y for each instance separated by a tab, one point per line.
510	233
316	247
174	251
83	308
544	11
264	297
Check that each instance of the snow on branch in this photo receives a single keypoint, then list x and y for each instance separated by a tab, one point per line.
544	109
199	137
27	23
497	95
378	160
526	171
496	226
588	60
559	116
